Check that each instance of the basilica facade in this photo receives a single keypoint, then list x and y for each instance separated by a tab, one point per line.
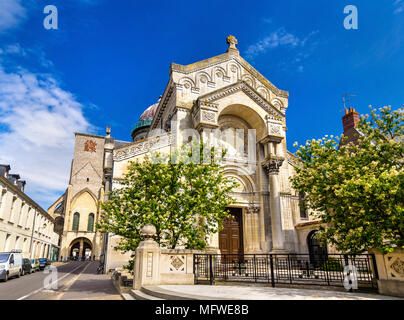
220	94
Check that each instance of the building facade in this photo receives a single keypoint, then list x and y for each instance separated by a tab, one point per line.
222	94
24	225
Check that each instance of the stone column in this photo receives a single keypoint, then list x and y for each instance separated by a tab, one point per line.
272	165
147	260
81	248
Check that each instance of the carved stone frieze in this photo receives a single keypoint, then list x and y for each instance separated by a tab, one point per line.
133	149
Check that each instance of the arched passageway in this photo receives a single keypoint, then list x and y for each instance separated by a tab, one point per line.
81	249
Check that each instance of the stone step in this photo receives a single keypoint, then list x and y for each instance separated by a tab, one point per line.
127	296
139	295
164	294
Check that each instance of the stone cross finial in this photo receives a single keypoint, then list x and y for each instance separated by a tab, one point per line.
232	41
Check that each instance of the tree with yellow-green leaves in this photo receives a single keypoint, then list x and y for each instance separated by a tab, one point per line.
357	190
185	200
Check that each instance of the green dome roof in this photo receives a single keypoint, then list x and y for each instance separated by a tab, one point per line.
146	118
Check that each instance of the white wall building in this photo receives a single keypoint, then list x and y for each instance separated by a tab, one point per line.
24	225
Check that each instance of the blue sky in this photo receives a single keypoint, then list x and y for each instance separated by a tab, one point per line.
109	60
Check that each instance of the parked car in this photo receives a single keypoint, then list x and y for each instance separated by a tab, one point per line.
10	265
26	267
35	265
43	262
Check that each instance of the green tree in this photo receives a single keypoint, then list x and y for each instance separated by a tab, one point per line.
185	200
356	190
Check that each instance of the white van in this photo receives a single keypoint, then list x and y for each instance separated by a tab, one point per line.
10	265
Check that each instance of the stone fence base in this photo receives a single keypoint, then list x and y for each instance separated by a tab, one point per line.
156	266
390	269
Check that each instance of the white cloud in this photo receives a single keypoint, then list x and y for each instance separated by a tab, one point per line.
37	122
399	6
11	14
276	39
282	39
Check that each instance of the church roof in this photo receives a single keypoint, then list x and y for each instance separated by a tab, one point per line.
146	118
177	71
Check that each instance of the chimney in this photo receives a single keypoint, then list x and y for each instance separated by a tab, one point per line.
4	169
350	120
13	178
21	185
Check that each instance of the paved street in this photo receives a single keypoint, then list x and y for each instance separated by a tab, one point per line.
76	280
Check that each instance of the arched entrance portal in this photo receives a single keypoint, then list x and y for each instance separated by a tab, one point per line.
81	249
317	251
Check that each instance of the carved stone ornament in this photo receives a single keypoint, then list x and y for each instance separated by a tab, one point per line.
398	266
177	262
275	129
90	146
253	208
208	117
272	165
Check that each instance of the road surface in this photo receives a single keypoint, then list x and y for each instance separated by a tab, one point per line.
75	280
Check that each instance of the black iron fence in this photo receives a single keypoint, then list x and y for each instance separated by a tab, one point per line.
356	272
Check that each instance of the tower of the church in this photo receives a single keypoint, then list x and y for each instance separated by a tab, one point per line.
89	178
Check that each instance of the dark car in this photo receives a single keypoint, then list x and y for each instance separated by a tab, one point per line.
43	262
26	267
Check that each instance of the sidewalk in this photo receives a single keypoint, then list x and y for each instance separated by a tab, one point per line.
264	293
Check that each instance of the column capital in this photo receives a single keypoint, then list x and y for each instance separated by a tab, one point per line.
252	209
271	164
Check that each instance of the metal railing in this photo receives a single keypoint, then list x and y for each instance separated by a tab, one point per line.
296	269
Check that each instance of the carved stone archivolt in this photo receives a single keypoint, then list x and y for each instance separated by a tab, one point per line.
273	113
272	164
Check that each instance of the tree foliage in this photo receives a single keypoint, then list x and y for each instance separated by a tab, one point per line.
185	200
356	190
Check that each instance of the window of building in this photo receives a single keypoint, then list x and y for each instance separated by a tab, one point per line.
2	198
7	243
303	210
76	221
90	226
11	217
21	217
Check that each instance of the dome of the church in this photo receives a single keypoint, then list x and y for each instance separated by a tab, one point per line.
140	129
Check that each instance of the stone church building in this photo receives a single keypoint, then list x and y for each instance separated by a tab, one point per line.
226	93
